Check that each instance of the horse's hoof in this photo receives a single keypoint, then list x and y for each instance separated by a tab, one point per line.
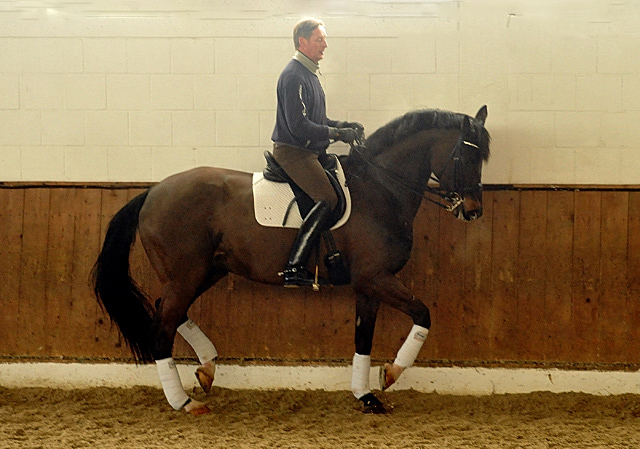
373	405
196	408
205	375
386	377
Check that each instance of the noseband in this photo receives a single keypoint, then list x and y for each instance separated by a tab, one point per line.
453	198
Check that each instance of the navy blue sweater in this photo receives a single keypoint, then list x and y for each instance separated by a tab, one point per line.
301	119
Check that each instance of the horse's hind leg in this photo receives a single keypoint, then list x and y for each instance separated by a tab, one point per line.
204	348
205	351
170	314
170	318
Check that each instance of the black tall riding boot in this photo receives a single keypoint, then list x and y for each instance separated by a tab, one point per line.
296	274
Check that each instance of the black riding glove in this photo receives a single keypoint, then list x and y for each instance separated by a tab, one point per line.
354	125
346	135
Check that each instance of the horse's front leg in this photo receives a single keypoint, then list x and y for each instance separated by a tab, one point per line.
393	293
366	314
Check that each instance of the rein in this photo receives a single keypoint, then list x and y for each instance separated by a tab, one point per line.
453	198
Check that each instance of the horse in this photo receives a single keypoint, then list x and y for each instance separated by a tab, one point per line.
198	226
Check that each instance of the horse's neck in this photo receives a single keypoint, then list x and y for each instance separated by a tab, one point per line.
399	174
409	160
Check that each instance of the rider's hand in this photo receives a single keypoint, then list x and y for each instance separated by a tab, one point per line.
347	135
355	125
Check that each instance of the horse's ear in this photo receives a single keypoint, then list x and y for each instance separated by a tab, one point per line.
481	116
467	126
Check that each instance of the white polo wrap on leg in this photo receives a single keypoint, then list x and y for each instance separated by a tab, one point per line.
205	350
360	375
411	347
171	383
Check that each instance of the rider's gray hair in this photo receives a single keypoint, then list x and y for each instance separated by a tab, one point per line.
304	28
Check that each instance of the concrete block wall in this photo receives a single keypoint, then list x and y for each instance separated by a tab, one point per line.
135	91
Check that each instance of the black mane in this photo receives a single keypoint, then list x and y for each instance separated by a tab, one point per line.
421	120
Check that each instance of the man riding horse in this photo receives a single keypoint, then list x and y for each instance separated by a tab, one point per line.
301	135
198	226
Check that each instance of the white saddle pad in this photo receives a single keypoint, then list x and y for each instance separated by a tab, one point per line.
271	201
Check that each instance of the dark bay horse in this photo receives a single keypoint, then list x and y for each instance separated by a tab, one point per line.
199	225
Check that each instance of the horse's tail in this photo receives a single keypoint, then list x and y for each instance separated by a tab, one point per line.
114	288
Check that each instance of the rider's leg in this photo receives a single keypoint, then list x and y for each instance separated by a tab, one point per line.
295	273
304	168
306	171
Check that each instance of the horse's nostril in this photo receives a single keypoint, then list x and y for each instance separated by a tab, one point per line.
474	215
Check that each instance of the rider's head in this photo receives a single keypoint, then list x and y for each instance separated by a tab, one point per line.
310	38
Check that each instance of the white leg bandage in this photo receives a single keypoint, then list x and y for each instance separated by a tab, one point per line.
205	350
411	346
171	383
360	375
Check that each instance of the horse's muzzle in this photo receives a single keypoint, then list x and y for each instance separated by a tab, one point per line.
470	209
472	215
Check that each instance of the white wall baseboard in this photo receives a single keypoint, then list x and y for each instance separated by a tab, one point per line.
452	380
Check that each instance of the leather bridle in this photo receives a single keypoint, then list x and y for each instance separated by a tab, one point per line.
447	199
454	197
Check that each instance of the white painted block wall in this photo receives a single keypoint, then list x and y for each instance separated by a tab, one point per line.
135	91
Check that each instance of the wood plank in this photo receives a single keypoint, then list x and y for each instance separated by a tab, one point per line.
341	323
558	275
586	292
504	262
570	246
297	324
32	319
613	313
240	314
316	309
633	276
60	330
11	225
447	317
337	337
477	296
86	248
533	246
266	330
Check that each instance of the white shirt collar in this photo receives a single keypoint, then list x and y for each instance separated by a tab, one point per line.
305	61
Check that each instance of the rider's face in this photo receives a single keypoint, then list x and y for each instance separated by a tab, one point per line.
313	48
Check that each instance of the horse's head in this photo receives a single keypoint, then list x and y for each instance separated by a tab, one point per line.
459	169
